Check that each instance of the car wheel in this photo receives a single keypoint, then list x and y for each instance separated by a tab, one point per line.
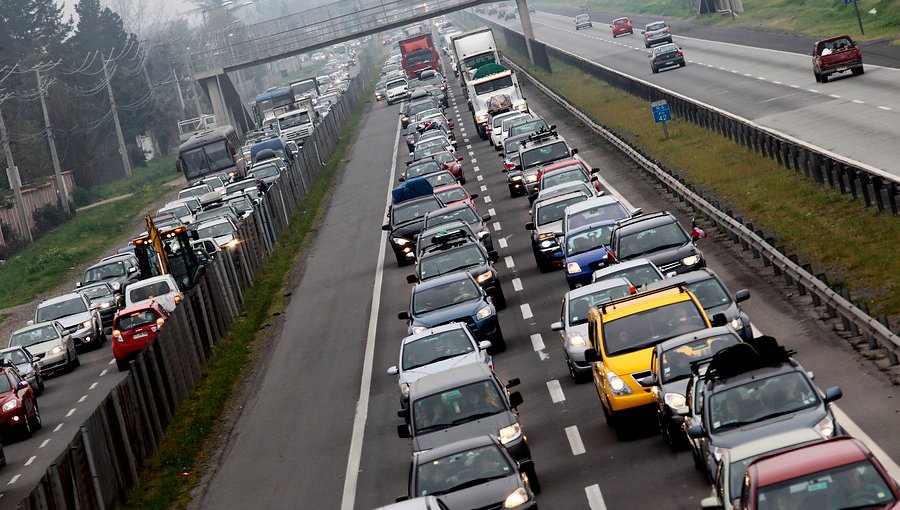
499	298
543	266
817	76
631	33
27	431
682	64
498	343
462	180
646	45
533	480
77	362
655	70
122	365
858	71
824	77
40	382
512	192
614	36
698	462
36	423
577	377
611	420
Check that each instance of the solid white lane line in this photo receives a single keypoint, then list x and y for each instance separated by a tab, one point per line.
492	212
479	177
82	399
71	412
94	385
13	479
503	243
44	443
351	476
556	391
509	262
537	341
103	372
30	460
517	284
497	226
526	311
58	427
483	187
575	442
487	200
595	498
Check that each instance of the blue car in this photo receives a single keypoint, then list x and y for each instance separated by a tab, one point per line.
455	297
585	247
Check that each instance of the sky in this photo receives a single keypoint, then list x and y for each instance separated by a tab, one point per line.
154	11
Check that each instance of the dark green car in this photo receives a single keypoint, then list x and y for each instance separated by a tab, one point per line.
667	55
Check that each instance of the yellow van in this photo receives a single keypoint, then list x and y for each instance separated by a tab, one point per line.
622	334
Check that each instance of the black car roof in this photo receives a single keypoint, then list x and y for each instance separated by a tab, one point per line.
645	221
748	356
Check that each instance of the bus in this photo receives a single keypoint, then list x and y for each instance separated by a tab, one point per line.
273	98
212	152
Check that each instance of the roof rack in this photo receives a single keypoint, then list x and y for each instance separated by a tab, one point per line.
759	352
446	237
540	135
680	286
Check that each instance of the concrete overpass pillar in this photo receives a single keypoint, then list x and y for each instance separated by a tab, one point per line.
226	102
527	29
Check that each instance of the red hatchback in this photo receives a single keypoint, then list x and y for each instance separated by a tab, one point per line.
833	474
621	26
133	328
454	194
18	405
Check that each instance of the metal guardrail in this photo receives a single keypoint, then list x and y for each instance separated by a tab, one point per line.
855	319
876	187
117	440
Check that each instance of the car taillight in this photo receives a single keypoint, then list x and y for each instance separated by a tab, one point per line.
177	299
678	54
117	335
160	321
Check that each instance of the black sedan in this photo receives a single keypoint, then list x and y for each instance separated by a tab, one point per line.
667	55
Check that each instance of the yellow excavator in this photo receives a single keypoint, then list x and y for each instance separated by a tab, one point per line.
167	251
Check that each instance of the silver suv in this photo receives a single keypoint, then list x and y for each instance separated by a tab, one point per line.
657	32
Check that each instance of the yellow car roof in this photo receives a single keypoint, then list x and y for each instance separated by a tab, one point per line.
641	302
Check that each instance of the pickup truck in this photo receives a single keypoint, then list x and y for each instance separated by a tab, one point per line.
836	55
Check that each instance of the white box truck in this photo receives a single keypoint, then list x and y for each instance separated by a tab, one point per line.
297	123
474	49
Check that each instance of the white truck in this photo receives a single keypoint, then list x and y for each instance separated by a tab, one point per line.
492	81
474	49
303	88
190	127
299	122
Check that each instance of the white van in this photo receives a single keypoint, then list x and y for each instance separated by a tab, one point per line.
163	289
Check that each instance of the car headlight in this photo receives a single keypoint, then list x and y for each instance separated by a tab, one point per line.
404	390
517	178
616	385
573	267
575	339
116	286
521	107
531	178
56	350
399	241
484	313
674	400
516	498
86	324
825	428
510	433
10	405
232	243
105	304
480	118
737	323
691	260
485	276
418	329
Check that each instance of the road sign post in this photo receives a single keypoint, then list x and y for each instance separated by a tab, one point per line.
662	114
858	17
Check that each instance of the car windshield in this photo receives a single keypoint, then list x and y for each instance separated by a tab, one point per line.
579	307
637	275
294	120
425	167
141	292
65	308
430	148
216	230
136	319
620	21
180	211
554	211
493	85
647	328
241	204
33	336
607	212
452	195
582	17
433	80
545	154
665	48
428	113
760	399
419	57
676	362
450	261
457	406
396	84
511	148
588	240
196	191
434	348
527	127
465	214
265	171
668	235
16	356
407	212
444	157
464	469
710	292
442	296
111	270
557	178
240	186
96	292
857	485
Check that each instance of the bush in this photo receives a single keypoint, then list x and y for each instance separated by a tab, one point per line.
84	196
49	217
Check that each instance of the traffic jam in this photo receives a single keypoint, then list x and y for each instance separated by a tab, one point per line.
663	340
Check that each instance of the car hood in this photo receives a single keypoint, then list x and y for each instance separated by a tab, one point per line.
484	426
554	226
730	310
70	320
669	255
43	347
481	496
413	375
806	418
407	230
585	259
459	311
25	368
678	386
223	240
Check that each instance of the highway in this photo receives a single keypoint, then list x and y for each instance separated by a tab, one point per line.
855	117
316	422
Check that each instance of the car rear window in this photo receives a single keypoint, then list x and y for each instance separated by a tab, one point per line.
655	26
148	291
136	319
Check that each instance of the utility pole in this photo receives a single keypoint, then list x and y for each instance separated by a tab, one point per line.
180	95
115	115
61	187
195	89
12	174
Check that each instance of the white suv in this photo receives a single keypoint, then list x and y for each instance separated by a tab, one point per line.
163	289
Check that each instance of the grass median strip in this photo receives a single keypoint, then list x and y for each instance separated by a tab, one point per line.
855	246
187	440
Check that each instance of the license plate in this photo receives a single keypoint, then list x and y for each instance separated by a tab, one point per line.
140	335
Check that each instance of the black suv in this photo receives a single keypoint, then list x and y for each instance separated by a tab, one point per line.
118	271
406	220
458	251
658	237
541	149
463	212
750	391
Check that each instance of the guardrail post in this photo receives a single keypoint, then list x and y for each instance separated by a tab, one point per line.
877	189
864	187
870	339
164	399
788	280
891	352
829	171
845	322
817	168
851	178
59	496
892	196
129	452
152	411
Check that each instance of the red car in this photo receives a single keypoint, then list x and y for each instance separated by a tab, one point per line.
451	163
836	55
837	473
133	328
18	405
454	194
621	26
588	175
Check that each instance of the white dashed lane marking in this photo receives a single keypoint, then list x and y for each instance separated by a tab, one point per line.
834	96
471	153
94	385
497	226
111	362
469	146
885	108
71	412
857	101
44	443
483	187
476	169
503	243
526	311
537	341
30	460
517	284
479	177
58	427
575	440
595	498
487	200
103	372
13	479
509	262
492	212
556	391
82	399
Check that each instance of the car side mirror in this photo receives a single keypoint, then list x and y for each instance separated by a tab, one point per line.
649	55
403	316
78	285
591	356
810	374
682	411
195	235
484	345
401	498
556	326
393	370
695	432
515	399
529	225
574	151
386	226
711	503
403	413
515	381
132	270
411	278
402	178
552	127
637	212
493	256
30	323
486	217
594	178
403	432
832	394
649	380
741	295
473	196
719	319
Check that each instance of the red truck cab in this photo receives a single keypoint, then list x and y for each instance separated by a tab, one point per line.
417	54
836	55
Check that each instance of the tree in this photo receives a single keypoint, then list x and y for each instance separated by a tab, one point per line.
28	28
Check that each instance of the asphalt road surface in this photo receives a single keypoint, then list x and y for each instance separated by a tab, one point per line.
857	117
319	424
